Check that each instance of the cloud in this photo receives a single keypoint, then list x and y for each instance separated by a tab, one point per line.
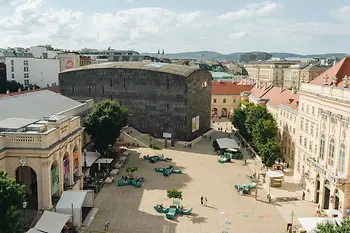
252	10
238	35
342	13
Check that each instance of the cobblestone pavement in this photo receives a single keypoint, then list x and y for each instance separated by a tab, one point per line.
130	210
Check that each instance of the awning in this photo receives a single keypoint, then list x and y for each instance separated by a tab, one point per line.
310	224
104	160
227	143
91	158
71	197
233	150
275	174
51	222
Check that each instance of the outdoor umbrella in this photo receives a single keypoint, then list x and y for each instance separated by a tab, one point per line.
123	148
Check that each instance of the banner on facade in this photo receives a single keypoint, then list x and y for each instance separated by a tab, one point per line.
66	171
54	180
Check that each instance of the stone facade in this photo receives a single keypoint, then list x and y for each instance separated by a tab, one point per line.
158	102
41	152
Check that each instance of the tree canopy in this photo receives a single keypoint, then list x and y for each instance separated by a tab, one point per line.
12	86
174	194
11	199
104	123
329	227
256	124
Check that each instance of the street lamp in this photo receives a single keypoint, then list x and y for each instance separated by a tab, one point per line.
24	205
85	163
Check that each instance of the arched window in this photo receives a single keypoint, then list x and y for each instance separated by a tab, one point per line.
331	152
322	145
342	159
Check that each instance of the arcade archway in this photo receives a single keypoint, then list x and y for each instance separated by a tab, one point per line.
66	172
214	112
55	181
26	175
224	112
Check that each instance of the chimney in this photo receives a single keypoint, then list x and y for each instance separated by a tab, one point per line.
345	81
294	90
290	101
7	91
325	80
334	81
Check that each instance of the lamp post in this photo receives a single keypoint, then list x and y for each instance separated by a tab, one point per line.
85	163
24	205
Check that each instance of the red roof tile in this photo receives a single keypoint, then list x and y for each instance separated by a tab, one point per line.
258	92
341	69
286	97
229	88
52	88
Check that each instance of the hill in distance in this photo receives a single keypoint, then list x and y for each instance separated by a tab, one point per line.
211	55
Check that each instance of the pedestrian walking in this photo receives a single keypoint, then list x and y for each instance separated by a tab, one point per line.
106	225
210	138
318	210
205	201
303	196
202	200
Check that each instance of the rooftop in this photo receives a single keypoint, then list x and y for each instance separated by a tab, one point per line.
281	62
35	105
339	70
285	97
16	123
258	92
221	75
229	88
151	66
55	89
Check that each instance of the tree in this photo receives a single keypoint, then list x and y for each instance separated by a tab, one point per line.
11	86
104	123
174	194
11	198
330	227
238	120
131	170
262	131
255	113
269	152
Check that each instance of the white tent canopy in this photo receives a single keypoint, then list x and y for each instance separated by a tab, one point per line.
104	160
91	158
310	224
275	174
32	230
227	143
51	222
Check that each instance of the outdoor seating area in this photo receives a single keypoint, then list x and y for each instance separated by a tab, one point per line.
167	171
245	189
156	158
171	211
127	180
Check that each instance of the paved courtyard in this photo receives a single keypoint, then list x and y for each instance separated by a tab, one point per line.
130	210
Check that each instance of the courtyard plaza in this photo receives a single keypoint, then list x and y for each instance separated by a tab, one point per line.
130	210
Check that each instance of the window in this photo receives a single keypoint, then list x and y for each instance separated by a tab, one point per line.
12	62
25	62
345	123
224	101
313	111
26	69
331	153
26	75
287	115
307	109
13	76
167	84
103	89
89	89
312	129
12	69
214	100
341	168
302	124
307	126
302	107
280	123
315	149
300	140
324	116
295	119
310	146
316	131
333	118
305	142
167	106
293	130
26	82
322	145
234	101
111	82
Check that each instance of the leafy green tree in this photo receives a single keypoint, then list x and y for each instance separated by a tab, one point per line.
269	152
104	123
262	131
131	170
254	113
174	194
12	86
330	227
238	120
11	198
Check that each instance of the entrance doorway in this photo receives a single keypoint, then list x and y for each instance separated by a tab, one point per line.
26	176
327	194
318	186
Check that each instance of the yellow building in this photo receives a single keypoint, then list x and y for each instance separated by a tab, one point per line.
225	97
44	155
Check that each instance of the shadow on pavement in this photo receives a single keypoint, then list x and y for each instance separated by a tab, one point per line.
120	206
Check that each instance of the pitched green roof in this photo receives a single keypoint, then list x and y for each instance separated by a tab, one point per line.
221	75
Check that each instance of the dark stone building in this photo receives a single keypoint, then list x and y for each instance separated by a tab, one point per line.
3	71
161	98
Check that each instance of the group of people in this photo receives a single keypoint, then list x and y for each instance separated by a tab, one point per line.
204	200
189	145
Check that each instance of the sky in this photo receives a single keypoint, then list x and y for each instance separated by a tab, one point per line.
227	26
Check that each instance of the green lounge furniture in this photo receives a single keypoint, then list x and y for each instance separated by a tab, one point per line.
123	183
252	185
184	211
136	184
159	169
223	160
161	210
166	172
171	213
176	171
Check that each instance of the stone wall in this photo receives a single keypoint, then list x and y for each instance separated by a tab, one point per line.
158	102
